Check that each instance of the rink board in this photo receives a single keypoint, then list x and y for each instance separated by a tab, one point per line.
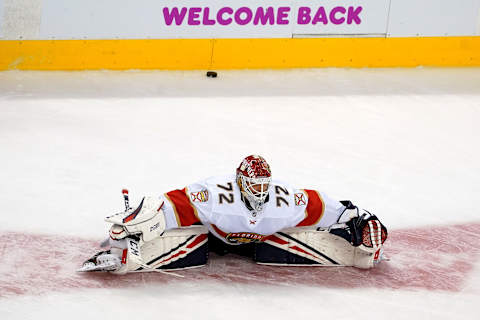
184	54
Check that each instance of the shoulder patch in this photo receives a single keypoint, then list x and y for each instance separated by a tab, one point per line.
200	196
300	199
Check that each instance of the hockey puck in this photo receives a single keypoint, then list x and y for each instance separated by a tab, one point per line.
211	74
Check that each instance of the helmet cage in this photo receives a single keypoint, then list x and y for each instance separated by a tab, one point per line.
254	189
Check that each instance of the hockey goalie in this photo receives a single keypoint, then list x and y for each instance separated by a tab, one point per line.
247	213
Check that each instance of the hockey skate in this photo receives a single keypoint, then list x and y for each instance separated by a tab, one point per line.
102	261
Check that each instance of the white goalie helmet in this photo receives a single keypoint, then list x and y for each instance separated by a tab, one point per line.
253	178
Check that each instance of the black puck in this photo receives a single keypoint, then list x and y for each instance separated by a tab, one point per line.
211	74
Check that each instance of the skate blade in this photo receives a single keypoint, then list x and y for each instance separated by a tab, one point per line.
91	267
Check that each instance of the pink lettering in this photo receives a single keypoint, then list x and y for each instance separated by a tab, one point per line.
193	14
238	16
206	17
264	17
220	19
282	15
320	16
334	11
304	15
174	15
353	15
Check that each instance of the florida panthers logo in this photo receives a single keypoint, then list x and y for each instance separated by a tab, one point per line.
244	237
240	237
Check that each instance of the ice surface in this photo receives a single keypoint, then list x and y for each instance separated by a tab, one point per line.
400	142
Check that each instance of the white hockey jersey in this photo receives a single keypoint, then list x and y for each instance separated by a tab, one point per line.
216	203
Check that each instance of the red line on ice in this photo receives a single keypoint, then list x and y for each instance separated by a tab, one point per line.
431	258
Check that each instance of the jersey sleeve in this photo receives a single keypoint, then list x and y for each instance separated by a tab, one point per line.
187	206
321	210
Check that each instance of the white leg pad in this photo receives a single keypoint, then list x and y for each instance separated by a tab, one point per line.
175	249
309	247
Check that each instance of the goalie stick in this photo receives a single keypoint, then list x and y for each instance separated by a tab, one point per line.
126	200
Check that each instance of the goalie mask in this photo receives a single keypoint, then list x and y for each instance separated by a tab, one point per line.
253	178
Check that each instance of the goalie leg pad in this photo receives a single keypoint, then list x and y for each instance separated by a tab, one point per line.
176	249
310	247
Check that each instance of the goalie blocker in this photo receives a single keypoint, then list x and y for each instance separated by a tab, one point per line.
139	243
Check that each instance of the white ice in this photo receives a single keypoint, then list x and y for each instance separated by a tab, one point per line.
403	143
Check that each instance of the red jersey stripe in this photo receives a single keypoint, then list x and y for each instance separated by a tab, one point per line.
220	232
315	209
184	210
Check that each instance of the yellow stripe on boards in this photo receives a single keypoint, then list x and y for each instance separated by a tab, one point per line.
346	52
183	54
105	54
